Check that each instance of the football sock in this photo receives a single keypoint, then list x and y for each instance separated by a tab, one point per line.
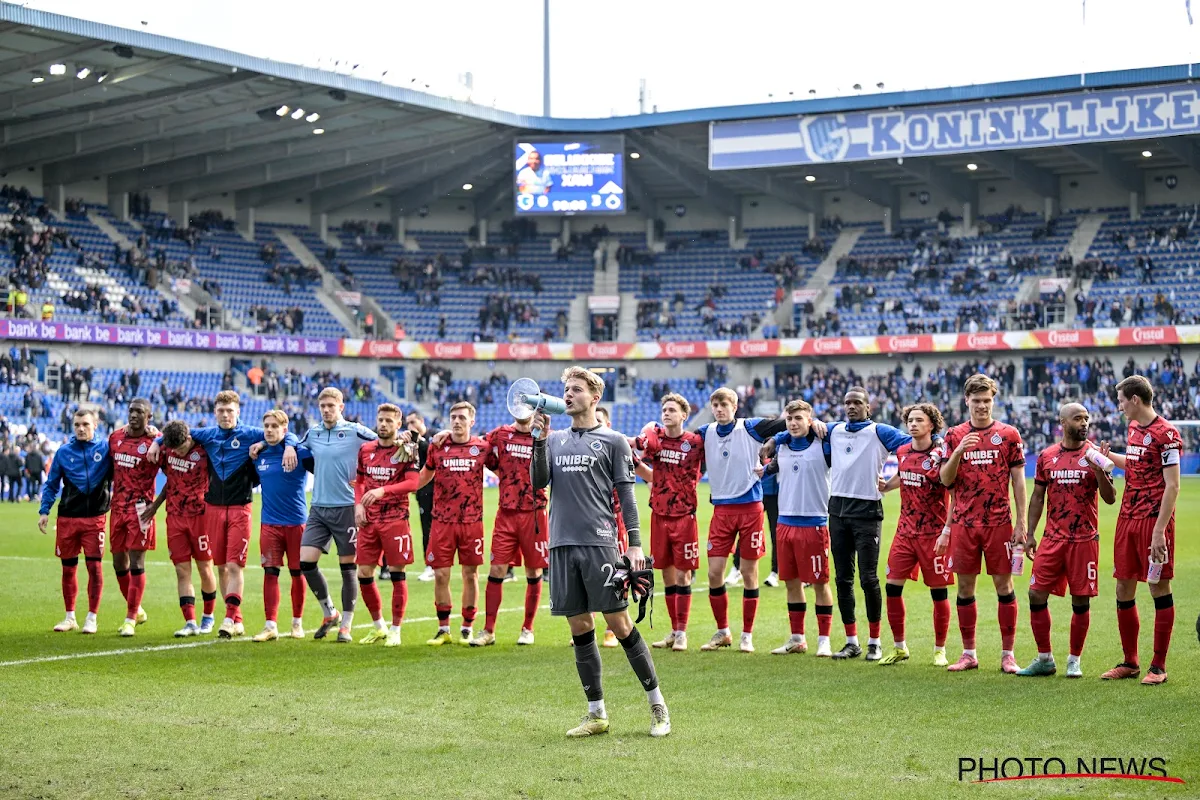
371	597
347	621
1006	614
901	644
210	602
824	620
443	615
533	598
1081	618
587	664
320	587
233	604
1164	621
638	653
70	583
967	615
851	630
349	588
852	640
941	616
1129	626
719	600
749	609
683	607
796	613
468	617
1039	620
271	593
297	593
596	709
671	593
873	599
655	697
137	589
895	611
95	588
123	582
187	605
399	598
493	594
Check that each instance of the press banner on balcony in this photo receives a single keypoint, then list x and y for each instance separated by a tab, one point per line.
1043	121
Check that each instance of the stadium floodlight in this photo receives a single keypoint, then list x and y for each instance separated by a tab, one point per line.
58	69
1146	154
100	79
318	131
810	178
83	73
298	113
972	167
37	79
635	154
281	111
313	117
468	187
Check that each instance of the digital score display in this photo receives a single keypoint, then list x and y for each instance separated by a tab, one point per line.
570	176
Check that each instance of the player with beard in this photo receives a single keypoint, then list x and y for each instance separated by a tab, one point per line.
415	422
1070	474
133	490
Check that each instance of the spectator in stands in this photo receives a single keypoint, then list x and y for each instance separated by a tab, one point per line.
255	376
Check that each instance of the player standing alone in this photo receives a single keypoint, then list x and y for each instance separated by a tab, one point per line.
984	457
1069	475
582	466
1145	532
133	486
922	532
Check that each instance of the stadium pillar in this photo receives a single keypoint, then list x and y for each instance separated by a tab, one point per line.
481	224
889	220
177	210
968	217
245	221
1135	206
564	238
1050	207
735	230
812	225
56	195
118	205
320	223
649	232
400	225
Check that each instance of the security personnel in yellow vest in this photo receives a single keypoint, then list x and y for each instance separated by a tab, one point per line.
47	311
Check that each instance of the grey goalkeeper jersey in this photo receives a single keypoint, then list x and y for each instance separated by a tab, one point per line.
584	469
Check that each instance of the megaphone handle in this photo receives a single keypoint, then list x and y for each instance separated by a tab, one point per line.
537	432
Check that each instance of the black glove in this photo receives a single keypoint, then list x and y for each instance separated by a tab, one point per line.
638	584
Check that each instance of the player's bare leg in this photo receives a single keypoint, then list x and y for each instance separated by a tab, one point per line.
494	595
533	597
374	603
894	589
1006	614
443	605
797	608
750	590
719	601
470	597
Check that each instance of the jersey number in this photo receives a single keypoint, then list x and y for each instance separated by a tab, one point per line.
939	565
405	542
756	541
608	570
202	540
479	547
541	548
691	551
353	532
1091	567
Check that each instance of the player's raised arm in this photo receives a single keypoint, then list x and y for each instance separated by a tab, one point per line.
539	465
954	457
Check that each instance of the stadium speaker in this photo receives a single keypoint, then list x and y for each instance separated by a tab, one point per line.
123	50
338	94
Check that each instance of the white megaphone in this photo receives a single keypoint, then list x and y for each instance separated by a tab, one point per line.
525	399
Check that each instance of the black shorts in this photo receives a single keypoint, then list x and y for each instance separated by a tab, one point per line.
581	580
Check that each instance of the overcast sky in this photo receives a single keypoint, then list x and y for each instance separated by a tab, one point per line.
692	54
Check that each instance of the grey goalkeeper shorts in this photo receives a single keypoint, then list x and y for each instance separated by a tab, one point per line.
581	580
327	523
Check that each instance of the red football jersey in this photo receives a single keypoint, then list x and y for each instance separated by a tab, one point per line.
509	456
133	474
1071	490
187	481
981	489
458	482
677	464
924	501
1147	451
377	468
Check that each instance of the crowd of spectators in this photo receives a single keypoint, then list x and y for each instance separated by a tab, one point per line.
285	320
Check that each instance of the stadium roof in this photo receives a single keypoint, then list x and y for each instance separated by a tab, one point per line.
157	111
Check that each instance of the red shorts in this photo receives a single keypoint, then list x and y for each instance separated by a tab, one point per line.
741	523
446	538
277	541
125	532
1059	563
622	535
969	547
909	552
187	538
803	553
73	534
521	535
674	541
390	539
228	529
1131	549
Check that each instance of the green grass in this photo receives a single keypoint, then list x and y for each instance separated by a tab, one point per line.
314	719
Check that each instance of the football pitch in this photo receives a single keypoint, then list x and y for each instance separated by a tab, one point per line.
153	716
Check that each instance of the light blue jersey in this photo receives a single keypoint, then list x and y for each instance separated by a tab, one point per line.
335	456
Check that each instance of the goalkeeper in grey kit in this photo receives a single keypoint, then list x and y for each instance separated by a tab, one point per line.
582	466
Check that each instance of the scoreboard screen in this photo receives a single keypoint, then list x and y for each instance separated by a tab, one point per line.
570	176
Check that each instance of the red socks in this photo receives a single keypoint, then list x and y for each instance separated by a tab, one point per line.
796	613
1039	620
370	596
1164	621
1081	618
683	607
493	595
718	598
399	600
188	606
233	607
824	620
70	585
749	609
123	583
1129	625
137	590
873	629
1006	614
941	621
210	602
298	587
672	599
468	617
95	585
271	595
967	617
895	614
851	628
443	614
533	598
